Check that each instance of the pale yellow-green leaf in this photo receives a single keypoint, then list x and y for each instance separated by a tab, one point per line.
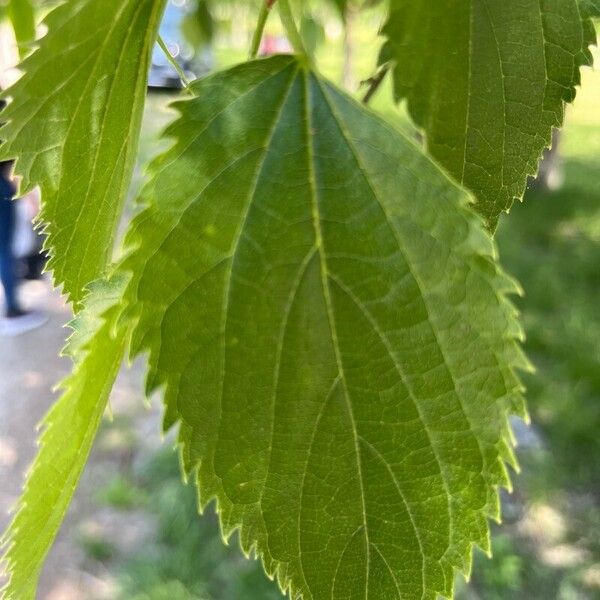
73	125
68	432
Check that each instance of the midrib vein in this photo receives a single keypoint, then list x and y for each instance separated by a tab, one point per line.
331	317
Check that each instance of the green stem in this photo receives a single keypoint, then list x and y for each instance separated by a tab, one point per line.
293	35
265	11
173	62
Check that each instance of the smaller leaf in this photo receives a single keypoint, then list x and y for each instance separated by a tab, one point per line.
313	33
70	428
198	26
487	82
73	124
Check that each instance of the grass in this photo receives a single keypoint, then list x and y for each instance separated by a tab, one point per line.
122	494
188	560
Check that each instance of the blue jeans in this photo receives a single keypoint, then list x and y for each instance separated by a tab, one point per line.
7	259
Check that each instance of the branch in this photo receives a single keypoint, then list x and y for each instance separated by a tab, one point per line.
374	83
265	10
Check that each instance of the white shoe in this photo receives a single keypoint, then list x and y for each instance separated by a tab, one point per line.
22	323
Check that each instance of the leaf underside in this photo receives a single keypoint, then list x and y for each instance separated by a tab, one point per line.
487	81
331	329
73	124
591	7
68	432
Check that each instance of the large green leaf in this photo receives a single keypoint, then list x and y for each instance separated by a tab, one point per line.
73	124
487	81
69	430
332	332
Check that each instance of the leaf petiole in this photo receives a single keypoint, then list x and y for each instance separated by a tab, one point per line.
265	11
289	24
174	63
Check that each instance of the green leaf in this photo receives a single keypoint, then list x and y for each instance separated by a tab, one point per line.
69	430
487	82
198	25
591	7
331	329
22	16
312	32
342	6
73	125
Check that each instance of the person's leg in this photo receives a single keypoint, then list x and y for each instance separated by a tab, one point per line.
7	259
16	320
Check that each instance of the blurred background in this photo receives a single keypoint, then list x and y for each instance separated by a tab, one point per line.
133	531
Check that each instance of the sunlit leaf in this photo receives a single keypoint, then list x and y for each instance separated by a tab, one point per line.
73	123
331	329
68	433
